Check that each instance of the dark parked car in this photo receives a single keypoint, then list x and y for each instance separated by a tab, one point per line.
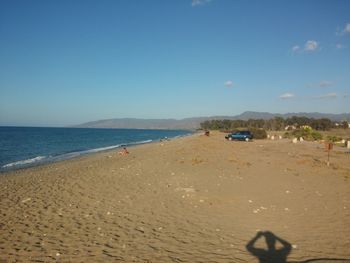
240	136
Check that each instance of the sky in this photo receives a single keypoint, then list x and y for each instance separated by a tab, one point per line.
69	61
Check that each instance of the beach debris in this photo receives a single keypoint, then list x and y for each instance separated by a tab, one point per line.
263	208
318	193
250	201
294	246
280	137
272	137
185	189
255	211
108	213
58	254
268	136
26	200
140	229
301	139
201	201
295	140
286	209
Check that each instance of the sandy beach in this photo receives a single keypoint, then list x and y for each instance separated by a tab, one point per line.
191	199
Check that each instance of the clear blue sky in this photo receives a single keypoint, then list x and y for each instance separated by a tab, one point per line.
67	62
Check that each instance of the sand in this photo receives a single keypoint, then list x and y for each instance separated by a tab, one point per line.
192	199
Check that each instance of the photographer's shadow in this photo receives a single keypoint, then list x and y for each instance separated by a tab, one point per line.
272	254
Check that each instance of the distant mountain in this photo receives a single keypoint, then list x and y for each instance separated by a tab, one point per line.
316	115
131	123
194	123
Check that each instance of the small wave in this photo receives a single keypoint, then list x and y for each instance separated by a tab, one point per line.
24	162
140	142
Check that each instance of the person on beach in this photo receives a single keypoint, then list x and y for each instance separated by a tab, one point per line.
123	152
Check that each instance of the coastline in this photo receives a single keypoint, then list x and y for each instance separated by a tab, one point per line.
193	198
53	155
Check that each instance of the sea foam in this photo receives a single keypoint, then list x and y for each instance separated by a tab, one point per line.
24	162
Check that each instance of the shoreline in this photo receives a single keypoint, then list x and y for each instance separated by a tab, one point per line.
194	198
46	160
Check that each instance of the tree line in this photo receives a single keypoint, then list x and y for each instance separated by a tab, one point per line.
274	124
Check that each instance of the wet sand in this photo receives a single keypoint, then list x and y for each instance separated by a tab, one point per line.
192	199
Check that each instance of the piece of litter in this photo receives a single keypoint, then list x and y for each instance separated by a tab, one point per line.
250	201
58	254
286	209
294	246
26	200
186	189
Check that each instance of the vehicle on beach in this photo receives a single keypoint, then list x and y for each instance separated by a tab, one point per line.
239	136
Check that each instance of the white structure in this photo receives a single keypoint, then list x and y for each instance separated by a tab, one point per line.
295	140
290	127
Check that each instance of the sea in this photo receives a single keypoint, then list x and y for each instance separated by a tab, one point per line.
22	147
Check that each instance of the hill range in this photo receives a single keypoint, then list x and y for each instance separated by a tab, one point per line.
194	123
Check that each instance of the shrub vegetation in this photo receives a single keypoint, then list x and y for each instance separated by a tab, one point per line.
275	124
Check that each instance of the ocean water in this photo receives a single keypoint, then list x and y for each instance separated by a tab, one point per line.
30	146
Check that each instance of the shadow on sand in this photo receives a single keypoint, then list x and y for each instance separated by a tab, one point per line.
278	249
